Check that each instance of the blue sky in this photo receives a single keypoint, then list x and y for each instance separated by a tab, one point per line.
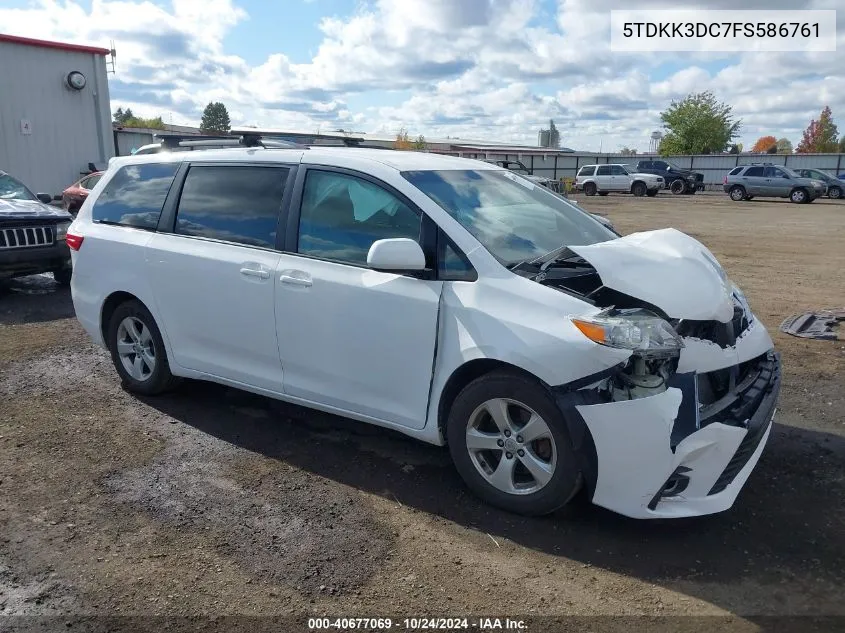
480	69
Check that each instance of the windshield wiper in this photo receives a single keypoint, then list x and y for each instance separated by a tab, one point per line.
548	258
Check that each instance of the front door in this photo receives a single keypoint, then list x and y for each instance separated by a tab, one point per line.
351	338
213	277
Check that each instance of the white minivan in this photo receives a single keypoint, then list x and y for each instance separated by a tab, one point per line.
446	298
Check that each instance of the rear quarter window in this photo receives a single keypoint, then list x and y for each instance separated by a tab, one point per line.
589	170
735	171
135	195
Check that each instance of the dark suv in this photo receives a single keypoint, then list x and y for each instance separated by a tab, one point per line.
32	233
677	180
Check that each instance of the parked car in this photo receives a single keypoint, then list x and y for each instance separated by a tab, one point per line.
32	233
519	168
835	186
602	179
74	196
771	181
677	179
443	298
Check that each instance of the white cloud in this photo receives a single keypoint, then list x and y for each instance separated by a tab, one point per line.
474	68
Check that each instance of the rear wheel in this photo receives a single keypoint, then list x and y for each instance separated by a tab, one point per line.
798	196
510	444
590	188
137	350
834	193
638	189
737	193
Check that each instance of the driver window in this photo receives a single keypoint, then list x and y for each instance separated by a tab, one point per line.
617	170
342	215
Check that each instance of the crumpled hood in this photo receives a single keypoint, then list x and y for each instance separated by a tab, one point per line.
30	210
665	268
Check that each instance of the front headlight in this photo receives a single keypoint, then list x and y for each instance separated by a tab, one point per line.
639	330
61	230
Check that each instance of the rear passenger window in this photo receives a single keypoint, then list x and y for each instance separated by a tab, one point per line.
587	171
754	172
233	204
135	195
603	170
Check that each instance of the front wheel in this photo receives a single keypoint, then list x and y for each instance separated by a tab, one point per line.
509	442
137	350
63	276
834	193
638	189
678	187
798	196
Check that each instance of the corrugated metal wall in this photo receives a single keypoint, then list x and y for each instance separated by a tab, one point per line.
126	141
69	128
714	167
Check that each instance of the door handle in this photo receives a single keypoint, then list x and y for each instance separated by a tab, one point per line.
254	272
296	278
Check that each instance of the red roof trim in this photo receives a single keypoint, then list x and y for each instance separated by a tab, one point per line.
76	48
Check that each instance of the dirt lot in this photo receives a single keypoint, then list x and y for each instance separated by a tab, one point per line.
215	502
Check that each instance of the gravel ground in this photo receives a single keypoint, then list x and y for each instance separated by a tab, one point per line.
214	502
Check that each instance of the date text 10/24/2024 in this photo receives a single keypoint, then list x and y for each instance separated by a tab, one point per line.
417	624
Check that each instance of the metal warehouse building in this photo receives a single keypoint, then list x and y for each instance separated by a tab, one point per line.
55	114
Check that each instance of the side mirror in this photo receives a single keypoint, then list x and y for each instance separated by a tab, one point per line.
396	255
46	198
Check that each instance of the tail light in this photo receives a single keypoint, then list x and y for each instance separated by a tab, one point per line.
725	180
74	242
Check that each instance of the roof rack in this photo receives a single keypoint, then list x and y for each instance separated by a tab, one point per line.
245	139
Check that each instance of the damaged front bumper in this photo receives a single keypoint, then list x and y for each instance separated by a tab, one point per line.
685	451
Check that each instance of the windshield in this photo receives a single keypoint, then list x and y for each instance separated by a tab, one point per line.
11	189
513	218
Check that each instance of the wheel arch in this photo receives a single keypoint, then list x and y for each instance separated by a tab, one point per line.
465	374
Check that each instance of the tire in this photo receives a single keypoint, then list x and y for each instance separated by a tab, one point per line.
590	188
147	337
834	193
517	490
749	197
63	276
651	193
603	193
737	193
678	187
799	196
638	189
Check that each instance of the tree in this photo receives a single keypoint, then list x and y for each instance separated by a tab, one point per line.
784	146
420	143
698	124
734	149
215	119
122	116
764	144
402	141
627	151
820	136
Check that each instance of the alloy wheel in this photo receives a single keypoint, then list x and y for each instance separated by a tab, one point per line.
136	349
511	446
